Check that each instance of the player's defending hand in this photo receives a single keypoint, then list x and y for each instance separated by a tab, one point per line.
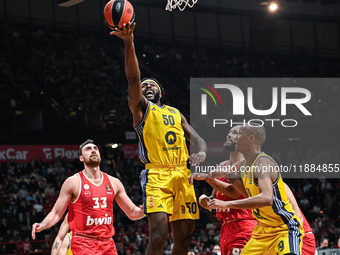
125	33
196	158
197	176
37	227
218	204
203	200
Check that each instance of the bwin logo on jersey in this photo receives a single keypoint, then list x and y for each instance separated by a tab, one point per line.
98	221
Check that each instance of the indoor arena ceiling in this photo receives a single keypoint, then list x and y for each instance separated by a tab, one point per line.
328	8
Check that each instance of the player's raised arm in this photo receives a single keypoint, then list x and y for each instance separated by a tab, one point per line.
137	102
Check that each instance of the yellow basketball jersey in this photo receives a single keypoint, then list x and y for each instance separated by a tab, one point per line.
69	252
161	136
281	212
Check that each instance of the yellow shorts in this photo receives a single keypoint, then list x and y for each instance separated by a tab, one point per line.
278	240
167	189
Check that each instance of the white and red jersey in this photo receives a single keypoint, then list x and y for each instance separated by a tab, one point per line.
91	214
231	214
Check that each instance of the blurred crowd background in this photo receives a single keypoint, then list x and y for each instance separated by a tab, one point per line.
29	191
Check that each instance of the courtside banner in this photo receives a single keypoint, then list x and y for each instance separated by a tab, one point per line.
48	153
301	117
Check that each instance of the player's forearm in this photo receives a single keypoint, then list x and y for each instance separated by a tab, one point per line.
131	63
234	179
56	246
217	174
50	220
224	188
255	202
136	213
200	144
238	185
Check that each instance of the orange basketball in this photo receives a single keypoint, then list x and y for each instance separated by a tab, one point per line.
118	12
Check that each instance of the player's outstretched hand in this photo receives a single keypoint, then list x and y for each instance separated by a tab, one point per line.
203	200
218	204
37	227
196	159
197	176
125	33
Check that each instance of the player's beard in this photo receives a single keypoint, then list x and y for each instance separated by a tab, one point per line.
230	147
155	98
92	162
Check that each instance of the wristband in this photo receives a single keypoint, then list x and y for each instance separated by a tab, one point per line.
202	153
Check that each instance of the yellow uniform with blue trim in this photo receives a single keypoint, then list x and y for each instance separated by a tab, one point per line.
69	252
279	230
162	148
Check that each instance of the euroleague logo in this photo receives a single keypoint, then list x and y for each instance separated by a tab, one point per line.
108	187
170	137
118	6
129	11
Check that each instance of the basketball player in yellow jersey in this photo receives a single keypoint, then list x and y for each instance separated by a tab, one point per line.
62	242
279	230
162	130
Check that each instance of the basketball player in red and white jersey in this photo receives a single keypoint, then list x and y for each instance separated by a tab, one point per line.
90	195
308	241
238	224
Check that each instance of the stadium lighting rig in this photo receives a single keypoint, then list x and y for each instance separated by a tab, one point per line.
272	6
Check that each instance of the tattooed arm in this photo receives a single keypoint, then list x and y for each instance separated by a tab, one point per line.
58	241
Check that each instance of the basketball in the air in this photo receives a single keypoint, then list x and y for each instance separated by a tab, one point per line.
118	12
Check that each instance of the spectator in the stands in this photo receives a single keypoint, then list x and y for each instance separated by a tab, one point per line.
32	186
3	227
323	244
23	191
